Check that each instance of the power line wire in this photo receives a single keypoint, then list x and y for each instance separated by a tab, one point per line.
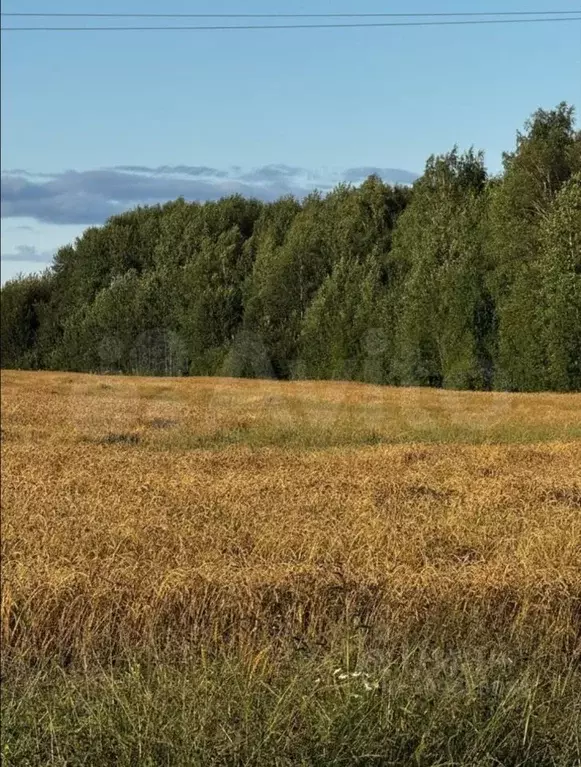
282	15
347	25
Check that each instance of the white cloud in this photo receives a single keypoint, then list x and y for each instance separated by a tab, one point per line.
91	196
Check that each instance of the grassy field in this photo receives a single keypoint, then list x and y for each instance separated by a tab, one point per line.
235	572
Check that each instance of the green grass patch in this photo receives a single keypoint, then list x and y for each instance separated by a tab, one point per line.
419	706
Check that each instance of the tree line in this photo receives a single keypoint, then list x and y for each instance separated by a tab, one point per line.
464	280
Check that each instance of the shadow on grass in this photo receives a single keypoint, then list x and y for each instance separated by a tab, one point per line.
312	438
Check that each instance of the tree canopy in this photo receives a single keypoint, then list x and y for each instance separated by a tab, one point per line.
463	280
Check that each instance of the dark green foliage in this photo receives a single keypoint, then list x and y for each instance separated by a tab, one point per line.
546	156
213	306
338	322
443	326
285	279
462	281
561	288
23	309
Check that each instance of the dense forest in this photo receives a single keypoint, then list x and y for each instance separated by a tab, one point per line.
464	280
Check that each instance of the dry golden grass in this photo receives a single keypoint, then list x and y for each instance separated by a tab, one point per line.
136	511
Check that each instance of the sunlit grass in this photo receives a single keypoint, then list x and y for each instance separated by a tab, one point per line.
251	537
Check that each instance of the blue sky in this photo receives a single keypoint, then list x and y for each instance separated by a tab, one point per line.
96	122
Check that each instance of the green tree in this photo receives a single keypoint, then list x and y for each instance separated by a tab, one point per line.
560	277
214	285
284	281
437	245
99	336
338	321
462	281
546	155
21	311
